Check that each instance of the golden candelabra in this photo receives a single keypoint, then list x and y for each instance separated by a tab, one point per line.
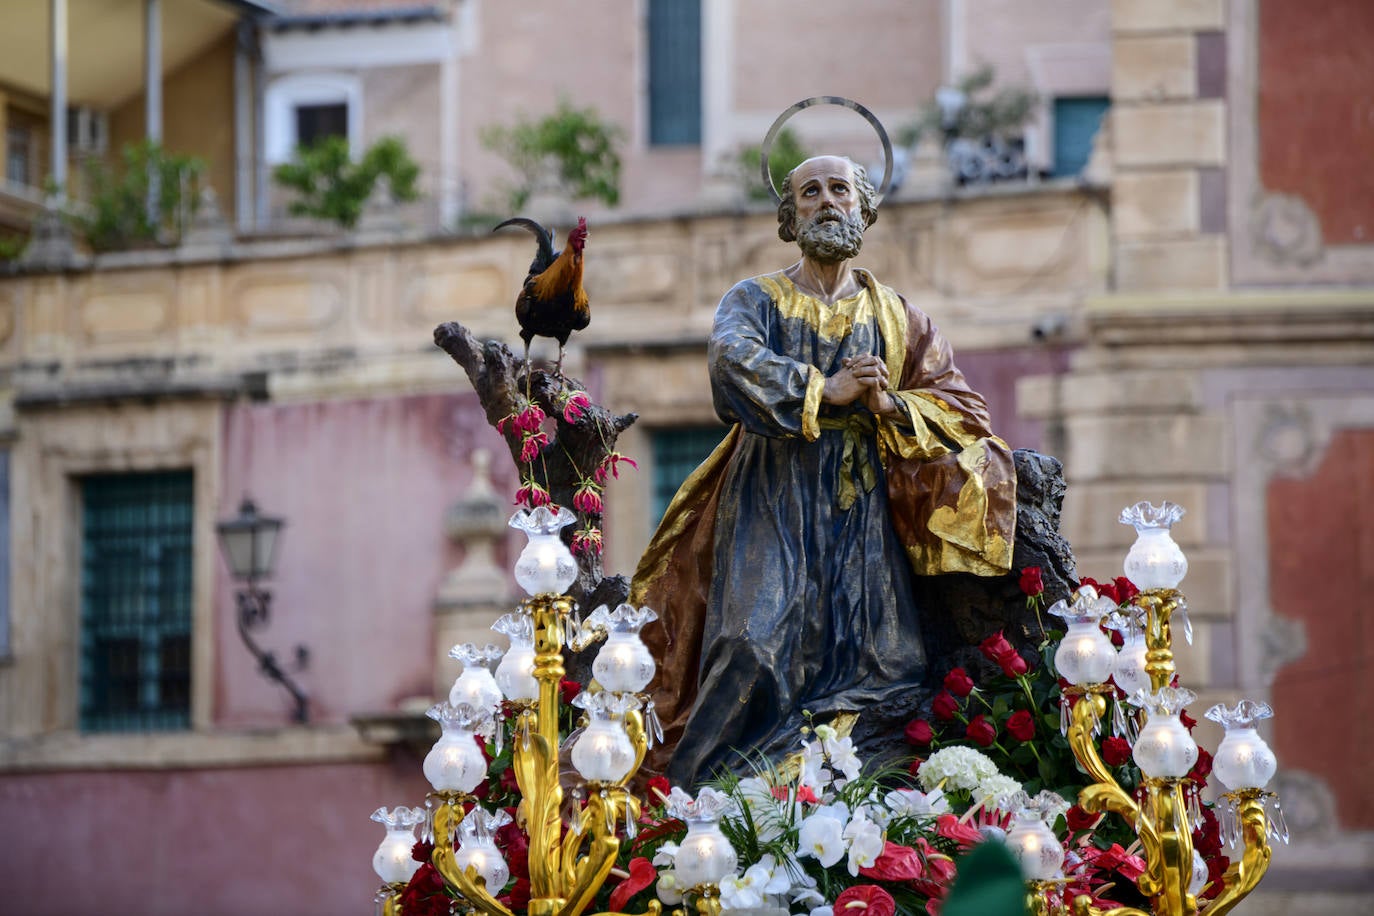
1160	811
567	865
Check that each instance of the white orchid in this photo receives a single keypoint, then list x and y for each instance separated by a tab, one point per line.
822	837
915	803
759	881
865	842
666	855
668	888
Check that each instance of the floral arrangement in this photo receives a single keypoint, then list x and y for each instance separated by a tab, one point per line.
822	833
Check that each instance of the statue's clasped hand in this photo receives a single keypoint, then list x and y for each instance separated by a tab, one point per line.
863	379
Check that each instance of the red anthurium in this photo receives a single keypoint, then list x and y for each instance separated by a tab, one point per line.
895	863
642	874
865	900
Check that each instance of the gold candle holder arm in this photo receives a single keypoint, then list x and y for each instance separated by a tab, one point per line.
1240	879
391	904
1104	794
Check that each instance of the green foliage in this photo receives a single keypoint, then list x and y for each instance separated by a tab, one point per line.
12	247
571	145
1002	114
119	216
786	155
331	186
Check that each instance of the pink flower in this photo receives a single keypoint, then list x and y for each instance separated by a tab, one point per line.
533	442
587	498
577	402
609	467
586	541
533	495
530	418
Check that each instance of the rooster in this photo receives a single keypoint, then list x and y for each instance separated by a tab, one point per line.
552	302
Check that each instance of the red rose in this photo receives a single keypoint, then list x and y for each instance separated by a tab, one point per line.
1031	583
1105	589
1203	768
1216	870
981	731
508	781
915	767
995	646
865	900
1021	725
1078	819
568	689
919	733
658	789
422	851
944	707
1188	721
519	896
997	649
1125	589
642	874
959	683
1115	751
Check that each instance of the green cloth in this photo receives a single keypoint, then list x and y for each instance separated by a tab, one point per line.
987	882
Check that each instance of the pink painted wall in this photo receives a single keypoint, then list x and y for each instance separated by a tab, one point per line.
363	486
225	842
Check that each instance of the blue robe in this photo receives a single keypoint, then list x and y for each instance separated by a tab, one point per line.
782	570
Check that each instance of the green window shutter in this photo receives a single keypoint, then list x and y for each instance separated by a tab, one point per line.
674	72
1076	121
677	452
136	602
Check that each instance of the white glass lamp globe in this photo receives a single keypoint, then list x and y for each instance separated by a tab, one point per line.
475	686
515	675
1036	847
545	566
1198	880
1243	760
455	763
1086	654
705	855
392	861
624	664
1164	749
603	752
1154	560
1129	670
487	860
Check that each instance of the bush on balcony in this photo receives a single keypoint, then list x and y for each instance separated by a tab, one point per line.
573	147
329	185
119	214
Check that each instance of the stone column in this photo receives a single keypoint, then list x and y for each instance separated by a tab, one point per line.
477	591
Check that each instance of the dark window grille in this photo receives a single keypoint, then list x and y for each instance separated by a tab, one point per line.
674	72
136	602
677	452
317	122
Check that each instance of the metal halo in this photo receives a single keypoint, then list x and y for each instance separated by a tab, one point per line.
852	105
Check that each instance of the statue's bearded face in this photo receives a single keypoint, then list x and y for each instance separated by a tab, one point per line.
831	235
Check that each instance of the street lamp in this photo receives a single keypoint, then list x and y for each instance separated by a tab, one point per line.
249	542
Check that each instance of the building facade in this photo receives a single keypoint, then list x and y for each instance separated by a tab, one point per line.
1188	313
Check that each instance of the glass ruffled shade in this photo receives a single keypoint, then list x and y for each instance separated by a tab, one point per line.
1085	655
1243	760
624	664
603	752
545	566
515	675
477	848
705	855
475	686
1154	560
455	763
392	861
1036	847
1129	670
1164	749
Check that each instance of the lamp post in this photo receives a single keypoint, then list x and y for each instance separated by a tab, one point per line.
249	543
